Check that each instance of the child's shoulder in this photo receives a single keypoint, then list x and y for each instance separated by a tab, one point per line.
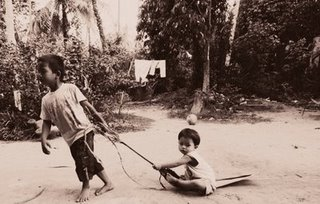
70	86
194	154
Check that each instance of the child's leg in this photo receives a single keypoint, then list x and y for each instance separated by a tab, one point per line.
79	154
84	195
199	185
95	167
108	186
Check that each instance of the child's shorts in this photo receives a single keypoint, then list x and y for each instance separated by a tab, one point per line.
87	164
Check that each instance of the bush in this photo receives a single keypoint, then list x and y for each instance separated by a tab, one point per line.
271	47
99	75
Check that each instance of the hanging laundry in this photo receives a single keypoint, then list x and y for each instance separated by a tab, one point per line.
158	64
148	67
141	71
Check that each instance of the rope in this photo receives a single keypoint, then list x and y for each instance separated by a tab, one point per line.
34	197
112	140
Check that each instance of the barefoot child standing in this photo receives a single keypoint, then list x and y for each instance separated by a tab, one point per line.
64	106
198	176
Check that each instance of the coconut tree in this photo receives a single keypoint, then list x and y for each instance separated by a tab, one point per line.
47	20
99	24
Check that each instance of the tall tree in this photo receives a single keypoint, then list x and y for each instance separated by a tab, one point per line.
271	44
171	27
209	36
99	24
47	20
9	22
2	23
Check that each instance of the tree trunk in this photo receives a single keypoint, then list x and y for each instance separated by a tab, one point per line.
2	23
30	19
206	72
198	63
99	24
9	21
64	24
197	105
235	12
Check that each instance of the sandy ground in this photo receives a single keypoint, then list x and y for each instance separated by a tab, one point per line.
283	156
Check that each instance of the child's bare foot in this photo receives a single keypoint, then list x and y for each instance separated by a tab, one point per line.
84	195
103	189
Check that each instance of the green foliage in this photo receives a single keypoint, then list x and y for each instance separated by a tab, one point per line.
271	45
17	73
99	75
170	28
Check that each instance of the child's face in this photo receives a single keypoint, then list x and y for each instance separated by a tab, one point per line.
186	145
47	77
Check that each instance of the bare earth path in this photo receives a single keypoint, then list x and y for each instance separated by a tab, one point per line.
283	156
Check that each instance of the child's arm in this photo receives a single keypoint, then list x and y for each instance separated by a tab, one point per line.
46	126
183	160
87	106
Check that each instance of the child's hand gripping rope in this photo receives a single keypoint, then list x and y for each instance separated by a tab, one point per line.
108	132
165	171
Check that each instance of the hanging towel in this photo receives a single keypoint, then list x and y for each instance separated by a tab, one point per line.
141	70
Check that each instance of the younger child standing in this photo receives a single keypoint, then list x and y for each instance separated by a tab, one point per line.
64	106
198	176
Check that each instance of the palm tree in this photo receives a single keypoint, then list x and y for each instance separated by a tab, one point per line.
99	24
47	19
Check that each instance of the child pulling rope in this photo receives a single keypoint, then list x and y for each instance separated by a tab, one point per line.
113	137
166	172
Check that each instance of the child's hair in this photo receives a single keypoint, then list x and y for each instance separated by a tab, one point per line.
54	62
191	134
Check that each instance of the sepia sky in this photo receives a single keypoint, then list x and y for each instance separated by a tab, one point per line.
125	19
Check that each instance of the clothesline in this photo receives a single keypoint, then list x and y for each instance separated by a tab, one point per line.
143	68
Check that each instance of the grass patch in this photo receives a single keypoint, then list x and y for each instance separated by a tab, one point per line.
128	123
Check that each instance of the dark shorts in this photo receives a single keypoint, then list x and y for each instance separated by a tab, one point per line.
87	164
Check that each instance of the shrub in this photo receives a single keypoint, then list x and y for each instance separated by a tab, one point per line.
99	75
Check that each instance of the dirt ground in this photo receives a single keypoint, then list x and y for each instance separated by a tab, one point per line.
283	156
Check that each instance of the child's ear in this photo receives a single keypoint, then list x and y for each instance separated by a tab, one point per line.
58	74
196	146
